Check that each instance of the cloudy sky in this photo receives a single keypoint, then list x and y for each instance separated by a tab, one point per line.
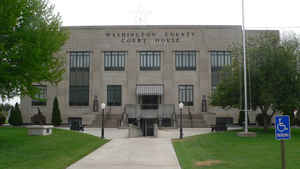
259	14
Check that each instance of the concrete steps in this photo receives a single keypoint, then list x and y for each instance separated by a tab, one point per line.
110	121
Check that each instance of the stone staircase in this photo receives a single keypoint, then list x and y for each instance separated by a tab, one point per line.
110	121
192	121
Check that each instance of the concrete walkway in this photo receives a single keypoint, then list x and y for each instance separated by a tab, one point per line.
133	153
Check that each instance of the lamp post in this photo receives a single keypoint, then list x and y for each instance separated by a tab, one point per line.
180	131
102	129
295	114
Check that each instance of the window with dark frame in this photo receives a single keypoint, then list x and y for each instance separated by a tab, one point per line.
79	78
186	95
150	60
219	59
185	60
40	98
114	60
114	95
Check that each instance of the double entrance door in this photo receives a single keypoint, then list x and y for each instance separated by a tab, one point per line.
147	126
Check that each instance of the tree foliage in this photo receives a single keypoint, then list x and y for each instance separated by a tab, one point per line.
273	76
30	37
15	117
56	117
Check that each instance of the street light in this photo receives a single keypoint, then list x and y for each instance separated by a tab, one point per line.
295	113
102	129
180	108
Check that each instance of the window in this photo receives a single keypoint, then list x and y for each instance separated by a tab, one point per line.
219	59
114	95
79	78
149	60
114	61
185	95
40	98
185	60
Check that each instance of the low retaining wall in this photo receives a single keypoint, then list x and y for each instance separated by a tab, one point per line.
134	131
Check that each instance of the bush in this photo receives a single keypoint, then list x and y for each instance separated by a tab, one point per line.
298	121
242	118
38	118
15	116
2	118
56	119
260	119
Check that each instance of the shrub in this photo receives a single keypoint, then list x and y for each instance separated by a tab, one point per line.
38	118
2	118
298	121
56	118
260	119
242	118
15	116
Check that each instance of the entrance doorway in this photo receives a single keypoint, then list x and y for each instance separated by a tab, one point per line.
147	126
149	101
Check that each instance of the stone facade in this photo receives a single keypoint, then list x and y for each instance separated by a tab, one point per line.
133	39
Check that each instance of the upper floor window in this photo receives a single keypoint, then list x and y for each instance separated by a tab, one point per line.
219	59
150	60
79	59
40	98
114	95
185	95
185	60
79	78
114	60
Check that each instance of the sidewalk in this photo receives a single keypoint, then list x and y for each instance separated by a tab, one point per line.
133	153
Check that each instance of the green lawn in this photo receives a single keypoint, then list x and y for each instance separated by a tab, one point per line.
233	152
57	151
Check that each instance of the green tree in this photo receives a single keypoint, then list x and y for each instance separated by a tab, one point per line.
15	116
273	81
30	38
56	117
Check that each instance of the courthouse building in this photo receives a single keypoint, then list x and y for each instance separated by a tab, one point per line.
141	73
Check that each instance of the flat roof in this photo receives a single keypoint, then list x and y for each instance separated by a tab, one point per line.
103	27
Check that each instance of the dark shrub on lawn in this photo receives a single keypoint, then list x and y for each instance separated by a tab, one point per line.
260	119
2	118
15	117
56	119
38	118
242	118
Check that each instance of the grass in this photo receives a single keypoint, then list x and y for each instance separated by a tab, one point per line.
233	152
57	151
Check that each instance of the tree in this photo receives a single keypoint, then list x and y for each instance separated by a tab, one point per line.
15	116
56	118
30	38
273	81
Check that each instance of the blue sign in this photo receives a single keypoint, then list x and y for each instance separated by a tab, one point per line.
282	127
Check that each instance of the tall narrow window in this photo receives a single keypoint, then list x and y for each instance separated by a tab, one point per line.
40	98
79	78
219	59
114	95
185	60
185	95
149	60
114	60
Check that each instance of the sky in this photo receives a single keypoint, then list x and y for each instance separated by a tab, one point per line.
259	14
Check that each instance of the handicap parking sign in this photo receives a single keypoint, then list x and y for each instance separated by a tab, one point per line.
282	127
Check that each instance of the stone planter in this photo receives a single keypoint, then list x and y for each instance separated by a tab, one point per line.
39	130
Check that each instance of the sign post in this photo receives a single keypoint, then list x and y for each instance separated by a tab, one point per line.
282	132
